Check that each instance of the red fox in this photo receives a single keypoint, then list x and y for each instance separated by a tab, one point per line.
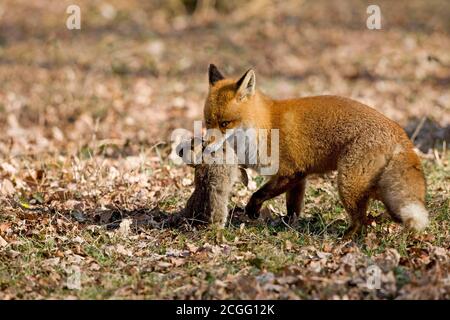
372	154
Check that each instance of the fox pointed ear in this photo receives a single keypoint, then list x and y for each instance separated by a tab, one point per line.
214	74
246	85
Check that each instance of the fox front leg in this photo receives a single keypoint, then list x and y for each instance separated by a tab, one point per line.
274	187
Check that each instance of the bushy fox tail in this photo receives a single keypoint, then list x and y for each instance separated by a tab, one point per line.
414	216
402	189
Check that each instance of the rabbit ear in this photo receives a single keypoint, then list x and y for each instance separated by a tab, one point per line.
243	176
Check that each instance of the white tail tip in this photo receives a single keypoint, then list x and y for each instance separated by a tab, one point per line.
414	216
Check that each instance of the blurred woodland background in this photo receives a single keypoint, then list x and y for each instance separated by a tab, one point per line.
85	123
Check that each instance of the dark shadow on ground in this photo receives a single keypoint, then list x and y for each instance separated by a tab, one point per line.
157	218
427	134
154	218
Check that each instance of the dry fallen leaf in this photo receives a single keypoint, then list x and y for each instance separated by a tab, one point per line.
288	245
120	249
51	262
163	264
3	242
125	227
177	261
94	267
4	227
192	247
186	182
7	188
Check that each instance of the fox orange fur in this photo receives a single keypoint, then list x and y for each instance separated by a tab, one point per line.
372	154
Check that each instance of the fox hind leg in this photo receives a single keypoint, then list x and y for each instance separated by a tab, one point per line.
295	200
356	176
356	209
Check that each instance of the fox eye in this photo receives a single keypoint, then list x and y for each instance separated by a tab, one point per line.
224	124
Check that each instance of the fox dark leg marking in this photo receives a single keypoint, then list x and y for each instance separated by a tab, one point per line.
357	212
295	200
274	187
354	191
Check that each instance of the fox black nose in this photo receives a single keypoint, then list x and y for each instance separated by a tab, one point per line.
179	150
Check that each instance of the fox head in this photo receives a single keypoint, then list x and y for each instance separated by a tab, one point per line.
230	103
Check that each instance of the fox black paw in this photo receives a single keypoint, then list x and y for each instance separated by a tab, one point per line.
252	213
